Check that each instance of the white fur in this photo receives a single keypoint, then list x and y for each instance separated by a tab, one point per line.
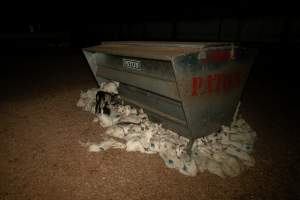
105	120
104	145
170	161
131	118
87	100
231	167
215	168
188	166
243	156
134	145
115	131
133	111
201	161
110	87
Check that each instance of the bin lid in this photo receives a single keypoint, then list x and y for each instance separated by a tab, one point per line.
153	50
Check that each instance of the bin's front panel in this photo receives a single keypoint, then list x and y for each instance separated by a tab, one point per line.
157	103
210	84
153	75
168	112
146	67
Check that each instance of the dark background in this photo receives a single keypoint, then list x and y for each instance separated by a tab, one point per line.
250	30
277	37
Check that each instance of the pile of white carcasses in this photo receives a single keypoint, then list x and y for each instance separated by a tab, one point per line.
226	153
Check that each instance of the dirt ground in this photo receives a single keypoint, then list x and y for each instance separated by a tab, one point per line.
41	158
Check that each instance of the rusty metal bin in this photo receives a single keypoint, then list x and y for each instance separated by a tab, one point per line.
191	88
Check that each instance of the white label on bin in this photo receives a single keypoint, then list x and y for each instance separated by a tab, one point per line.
132	64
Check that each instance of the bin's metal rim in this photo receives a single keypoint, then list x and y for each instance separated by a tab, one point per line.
154	50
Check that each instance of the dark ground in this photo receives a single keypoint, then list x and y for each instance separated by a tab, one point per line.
41	158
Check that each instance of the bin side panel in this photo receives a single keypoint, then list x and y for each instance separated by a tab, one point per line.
210	84
91	58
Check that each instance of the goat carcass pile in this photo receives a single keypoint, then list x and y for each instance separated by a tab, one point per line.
226	153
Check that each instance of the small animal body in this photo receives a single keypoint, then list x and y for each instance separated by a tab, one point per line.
103	100
100	101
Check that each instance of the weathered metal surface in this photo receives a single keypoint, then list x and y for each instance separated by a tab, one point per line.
191	88
210	89
150	50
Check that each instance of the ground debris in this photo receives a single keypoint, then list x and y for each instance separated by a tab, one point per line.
226	153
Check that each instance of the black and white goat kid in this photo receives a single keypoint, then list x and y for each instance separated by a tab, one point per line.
103	102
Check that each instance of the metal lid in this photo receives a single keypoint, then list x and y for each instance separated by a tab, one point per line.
152	50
